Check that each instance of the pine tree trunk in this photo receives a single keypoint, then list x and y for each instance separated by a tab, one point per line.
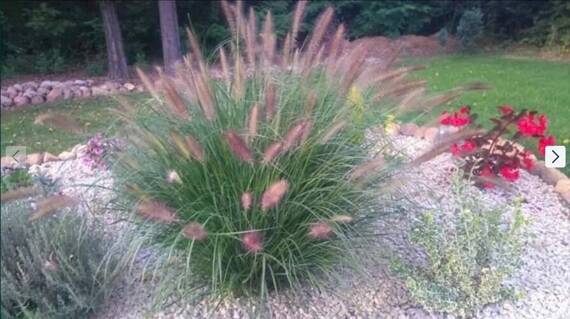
117	62
169	34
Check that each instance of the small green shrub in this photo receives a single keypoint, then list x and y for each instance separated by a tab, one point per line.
13	180
469	255
470	28
51	267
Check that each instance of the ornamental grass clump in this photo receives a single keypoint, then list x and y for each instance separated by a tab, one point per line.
52	267
250	180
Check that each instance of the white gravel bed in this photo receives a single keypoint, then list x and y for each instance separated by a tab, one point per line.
544	280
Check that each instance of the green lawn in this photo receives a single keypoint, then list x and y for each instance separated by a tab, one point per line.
533	84
18	126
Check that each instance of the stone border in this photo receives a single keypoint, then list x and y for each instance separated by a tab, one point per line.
32	93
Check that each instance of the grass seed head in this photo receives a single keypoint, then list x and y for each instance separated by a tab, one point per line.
156	211
194	231
320	231
247	200
274	194
252	241
239	147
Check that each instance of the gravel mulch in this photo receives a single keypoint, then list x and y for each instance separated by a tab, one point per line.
544	280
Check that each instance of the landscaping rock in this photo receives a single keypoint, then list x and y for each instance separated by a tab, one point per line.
18	87
30	93
112	86
140	88
85	91
11	92
64	156
408	129
42	91
30	85
6	101
420	132
54	94
9	162
563	186
49	157
99	90
34	159
129	86
67	93
76	92
21	100
431	134
38	99
46	84
80	82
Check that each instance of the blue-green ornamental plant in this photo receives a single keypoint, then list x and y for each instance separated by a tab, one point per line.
249	177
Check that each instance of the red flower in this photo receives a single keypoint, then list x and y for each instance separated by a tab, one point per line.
468	146
527	160
544	142
506	110
487	172
510	173
458	119
455	150
528	125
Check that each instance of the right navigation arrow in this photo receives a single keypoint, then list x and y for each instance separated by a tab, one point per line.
557	156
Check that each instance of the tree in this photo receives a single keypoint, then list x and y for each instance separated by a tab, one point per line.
169	34
116	60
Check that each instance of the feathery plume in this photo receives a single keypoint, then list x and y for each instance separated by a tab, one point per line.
342	219
286	51
180	144
332	132
268	39
356	61
173	177
250	38
274	194
306	131
228	12
225	67
252	123
156	211
293	135
318	33
194	231
147	83
195	148
409	101
173	99
18	193
60	121
50	205
320	231
51	264
238	89
297	18
271	152
238	147
196	51
397	72
205	97
336	45
246	200
269	101
401	89
310	103
252	241
367	167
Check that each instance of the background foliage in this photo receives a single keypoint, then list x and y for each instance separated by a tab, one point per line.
73	30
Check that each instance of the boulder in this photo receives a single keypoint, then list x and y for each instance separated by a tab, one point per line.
408	129
7	161
49	157
140	88
34	159
549	175
30	93
100	90
89	82
21	100
18	87
56	84
6	101
80	82
46	84
420	132
112	85
30	85
67	93
64	156
563	186
76	91
85	91
43	91
431	134
38	99
68	83
54	94
11	92
129	86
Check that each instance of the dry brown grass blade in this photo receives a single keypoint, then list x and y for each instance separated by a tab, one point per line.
147	83
60	121
238	89
195	148
252	123
18	193
205	97
368	167
238	147
297	18
173	100
332	132
317	36
356	61
50	205
444	145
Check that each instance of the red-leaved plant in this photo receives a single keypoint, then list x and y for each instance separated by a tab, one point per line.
490	156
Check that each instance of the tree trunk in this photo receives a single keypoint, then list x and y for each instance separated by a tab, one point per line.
169	34
117	62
